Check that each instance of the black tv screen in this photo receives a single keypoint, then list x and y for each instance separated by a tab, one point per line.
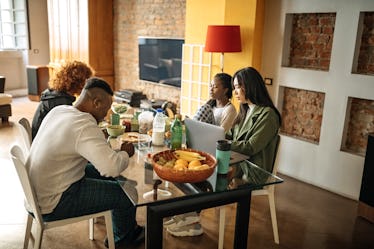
160	60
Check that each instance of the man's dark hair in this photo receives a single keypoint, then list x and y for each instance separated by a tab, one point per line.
99	83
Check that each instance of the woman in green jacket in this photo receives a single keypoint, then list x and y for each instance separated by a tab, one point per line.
255	129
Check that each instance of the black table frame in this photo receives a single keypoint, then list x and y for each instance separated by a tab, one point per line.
159	210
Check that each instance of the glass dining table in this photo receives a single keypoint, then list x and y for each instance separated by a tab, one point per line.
163	199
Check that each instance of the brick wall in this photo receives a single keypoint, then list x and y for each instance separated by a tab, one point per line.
360	124
133	18
311	40
365	63
302	114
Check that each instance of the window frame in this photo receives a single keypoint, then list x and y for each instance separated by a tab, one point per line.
16	43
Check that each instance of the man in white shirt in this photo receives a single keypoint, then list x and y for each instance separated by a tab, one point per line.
65	184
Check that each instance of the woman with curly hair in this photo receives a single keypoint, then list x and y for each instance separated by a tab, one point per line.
64	86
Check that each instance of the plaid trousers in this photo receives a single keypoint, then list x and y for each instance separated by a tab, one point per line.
95	193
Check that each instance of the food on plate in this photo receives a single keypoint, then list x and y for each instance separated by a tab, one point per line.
131	137
119	108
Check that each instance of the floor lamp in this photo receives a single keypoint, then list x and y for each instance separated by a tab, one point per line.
223	39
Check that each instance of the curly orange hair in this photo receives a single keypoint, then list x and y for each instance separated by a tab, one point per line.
71	77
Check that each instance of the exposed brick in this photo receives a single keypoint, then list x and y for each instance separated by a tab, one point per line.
302	113
312	36
133	18
360	124
365	63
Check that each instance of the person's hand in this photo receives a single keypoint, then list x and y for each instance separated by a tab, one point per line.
128	147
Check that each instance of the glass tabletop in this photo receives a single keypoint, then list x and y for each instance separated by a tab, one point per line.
143	186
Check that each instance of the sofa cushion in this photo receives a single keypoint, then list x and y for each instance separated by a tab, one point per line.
5	99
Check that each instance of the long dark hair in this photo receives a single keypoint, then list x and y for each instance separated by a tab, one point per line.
226	83
253	84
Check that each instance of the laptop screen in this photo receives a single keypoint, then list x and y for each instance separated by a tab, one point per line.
203	136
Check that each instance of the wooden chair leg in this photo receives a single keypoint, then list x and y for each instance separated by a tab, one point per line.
38	237
28	231
273	217
91	228
109	229
221	232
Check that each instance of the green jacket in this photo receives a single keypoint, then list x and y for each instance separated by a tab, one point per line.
257	136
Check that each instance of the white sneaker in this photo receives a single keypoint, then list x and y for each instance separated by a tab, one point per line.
194	229
182	220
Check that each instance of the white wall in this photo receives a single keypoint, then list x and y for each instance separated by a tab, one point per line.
323	165
13	63
39	51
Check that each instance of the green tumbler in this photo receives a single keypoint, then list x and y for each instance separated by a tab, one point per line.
223	153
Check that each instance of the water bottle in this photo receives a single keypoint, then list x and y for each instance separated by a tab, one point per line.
223	153
158	129
176	133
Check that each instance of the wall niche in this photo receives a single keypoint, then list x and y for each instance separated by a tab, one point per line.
364	53
359	123
308	40
302	112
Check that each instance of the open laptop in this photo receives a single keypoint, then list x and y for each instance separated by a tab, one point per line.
203	136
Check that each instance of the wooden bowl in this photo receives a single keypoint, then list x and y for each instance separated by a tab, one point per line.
183	176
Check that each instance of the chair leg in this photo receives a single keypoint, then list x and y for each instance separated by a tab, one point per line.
109	229
5	120
28	231
38	237
221	232
273	217
91	228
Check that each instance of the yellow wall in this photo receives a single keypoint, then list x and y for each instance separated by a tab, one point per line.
249	14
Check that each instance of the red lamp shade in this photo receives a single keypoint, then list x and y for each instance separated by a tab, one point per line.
223	38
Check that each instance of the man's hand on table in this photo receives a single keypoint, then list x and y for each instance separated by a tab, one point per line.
128	147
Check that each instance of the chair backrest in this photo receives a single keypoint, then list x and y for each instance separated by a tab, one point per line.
275	165
19	160
25	128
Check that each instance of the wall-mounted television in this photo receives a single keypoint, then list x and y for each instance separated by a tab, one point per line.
160	60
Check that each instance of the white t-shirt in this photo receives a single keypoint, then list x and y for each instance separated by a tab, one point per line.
225	116
66	141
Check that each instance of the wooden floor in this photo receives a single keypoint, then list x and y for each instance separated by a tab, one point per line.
308	217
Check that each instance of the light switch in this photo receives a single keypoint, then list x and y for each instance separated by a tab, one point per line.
268	81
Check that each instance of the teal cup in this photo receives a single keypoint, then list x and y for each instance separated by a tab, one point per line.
223	153
114	119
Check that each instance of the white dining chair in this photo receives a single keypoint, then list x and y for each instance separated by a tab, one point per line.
267	190
25	129
32	205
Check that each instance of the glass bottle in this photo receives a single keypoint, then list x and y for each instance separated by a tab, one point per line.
135	122
158	129
176	133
